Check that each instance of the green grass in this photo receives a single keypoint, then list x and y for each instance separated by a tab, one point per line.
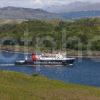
17	86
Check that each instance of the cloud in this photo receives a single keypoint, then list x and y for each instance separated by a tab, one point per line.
32	3
42	3
38	3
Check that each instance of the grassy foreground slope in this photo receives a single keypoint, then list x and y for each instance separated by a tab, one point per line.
16	86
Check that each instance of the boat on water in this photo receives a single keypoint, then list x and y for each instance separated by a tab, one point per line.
51	59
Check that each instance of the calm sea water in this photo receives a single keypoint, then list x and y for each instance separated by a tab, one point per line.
84	71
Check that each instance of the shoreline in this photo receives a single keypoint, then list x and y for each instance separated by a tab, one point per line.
68	52
69	55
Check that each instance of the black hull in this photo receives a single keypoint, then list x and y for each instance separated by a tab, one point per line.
46	62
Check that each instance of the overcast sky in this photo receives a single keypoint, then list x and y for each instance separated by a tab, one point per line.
38	3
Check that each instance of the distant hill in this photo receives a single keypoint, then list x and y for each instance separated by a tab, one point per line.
80	14
25	13
16	13
75	6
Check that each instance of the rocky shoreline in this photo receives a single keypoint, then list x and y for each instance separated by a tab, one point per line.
94	55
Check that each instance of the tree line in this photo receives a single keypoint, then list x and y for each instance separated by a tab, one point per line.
73	34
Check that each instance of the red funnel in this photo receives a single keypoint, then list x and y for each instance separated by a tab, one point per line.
34	58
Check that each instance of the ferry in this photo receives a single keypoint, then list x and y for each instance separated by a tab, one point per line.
51	59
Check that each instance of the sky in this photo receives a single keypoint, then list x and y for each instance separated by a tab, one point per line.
38	3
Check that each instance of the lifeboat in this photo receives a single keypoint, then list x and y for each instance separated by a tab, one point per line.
42	59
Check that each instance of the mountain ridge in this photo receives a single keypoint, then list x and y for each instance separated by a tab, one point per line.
25	13
75	6
40	14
